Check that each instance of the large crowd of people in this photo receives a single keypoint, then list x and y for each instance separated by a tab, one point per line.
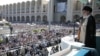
33	40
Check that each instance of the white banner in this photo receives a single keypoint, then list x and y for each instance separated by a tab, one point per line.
61	7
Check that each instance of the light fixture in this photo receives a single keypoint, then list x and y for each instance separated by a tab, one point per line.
47	0
89	1
35	0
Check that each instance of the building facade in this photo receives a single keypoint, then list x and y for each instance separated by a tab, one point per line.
44	11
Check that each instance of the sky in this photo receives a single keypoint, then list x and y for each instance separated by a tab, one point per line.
4	2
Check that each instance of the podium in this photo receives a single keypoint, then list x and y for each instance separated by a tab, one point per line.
83	52
98	44
72	48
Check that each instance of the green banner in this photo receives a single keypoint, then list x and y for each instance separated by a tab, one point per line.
98	2
84	1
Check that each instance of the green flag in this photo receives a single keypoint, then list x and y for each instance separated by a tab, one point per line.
1	40
98	2
84	1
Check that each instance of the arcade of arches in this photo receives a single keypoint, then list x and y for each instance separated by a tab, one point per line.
20	19
27	19
44	20
31	19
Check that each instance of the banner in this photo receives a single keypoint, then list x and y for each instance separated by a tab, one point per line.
84	1
61	7
98	2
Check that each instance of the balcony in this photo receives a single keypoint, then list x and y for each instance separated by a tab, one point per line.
77	11
96	10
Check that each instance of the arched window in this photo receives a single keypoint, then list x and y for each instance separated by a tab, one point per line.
22	19
38	19
27	19
45	19
62	19
18	18
23	7
77	5
32	6
7	18
14	19
18	8
10	19
32	19
27	6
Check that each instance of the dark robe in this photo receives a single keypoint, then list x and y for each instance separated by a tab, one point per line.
90	38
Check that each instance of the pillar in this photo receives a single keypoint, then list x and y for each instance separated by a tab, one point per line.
35	10
42	11
25	12
20	11
50	10
12	12
69	10
16	13
30	14
8	13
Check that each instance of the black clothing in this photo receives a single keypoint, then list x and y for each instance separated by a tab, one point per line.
90	38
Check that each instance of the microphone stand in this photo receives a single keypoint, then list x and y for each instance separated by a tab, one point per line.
74	30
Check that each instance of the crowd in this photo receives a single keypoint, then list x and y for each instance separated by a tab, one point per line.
33	40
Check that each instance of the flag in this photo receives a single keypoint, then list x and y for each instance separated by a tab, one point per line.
98	2
1	40
84	1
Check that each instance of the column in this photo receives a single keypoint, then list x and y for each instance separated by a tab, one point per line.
20	11
82	5
12	12
93	5
50	10
42	11
69	10
1	11
5	12
30	11
8	13
25	12
35	10
16	12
